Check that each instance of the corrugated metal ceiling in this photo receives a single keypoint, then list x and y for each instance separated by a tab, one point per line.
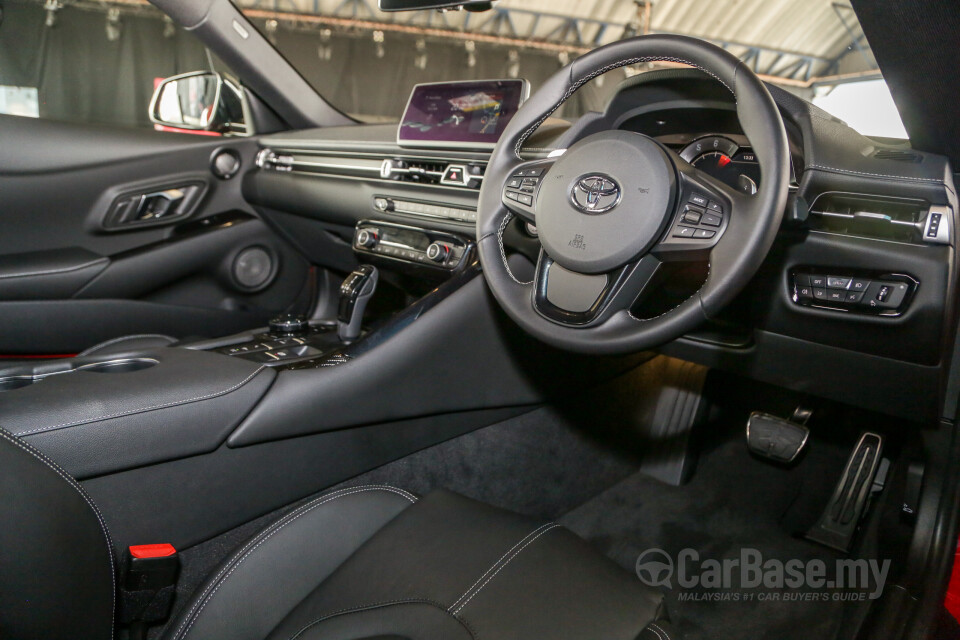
796	39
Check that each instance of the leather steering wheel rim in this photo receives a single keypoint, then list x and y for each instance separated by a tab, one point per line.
748	232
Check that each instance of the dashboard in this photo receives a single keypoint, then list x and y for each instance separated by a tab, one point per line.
855	301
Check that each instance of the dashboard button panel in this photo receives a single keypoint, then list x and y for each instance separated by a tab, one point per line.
877	294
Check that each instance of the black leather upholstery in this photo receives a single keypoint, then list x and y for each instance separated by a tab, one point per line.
445	567
56	562
362	563
129	344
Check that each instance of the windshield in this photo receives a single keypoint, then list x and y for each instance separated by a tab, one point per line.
365	62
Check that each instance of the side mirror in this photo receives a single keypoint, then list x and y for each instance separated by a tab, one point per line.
198	101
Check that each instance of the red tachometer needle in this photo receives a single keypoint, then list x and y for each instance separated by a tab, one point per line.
724	161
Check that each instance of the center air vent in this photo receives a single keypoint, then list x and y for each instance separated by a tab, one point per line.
432	171
450	174
900	219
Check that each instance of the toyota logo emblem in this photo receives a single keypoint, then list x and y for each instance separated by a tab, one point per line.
594	194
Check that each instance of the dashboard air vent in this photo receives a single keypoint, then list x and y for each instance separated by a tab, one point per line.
854	214
433	171
897	155
437	172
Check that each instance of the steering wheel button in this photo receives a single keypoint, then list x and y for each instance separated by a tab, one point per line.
512	195
683	232
711	220
698	200
704	234
713	206
514	183
523	198
692	217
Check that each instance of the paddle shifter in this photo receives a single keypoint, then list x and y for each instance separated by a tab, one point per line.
355	293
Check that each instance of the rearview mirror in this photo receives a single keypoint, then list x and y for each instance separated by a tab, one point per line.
423	5
198	101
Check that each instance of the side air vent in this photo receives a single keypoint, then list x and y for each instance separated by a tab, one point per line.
899	219
440	172
897	155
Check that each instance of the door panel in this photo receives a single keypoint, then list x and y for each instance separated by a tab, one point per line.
106	231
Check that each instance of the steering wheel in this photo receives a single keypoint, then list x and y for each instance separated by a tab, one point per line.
618	205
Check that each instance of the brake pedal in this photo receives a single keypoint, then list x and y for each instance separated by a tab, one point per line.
860	479
775	438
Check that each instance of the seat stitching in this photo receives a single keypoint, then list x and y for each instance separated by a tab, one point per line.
515	554
497	563
658	630
39	455
610	67
107	343
377	605
242	555
144	409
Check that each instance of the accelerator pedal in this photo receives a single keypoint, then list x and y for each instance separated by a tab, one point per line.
864	475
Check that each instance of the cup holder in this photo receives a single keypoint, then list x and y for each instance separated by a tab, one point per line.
119	366
16	382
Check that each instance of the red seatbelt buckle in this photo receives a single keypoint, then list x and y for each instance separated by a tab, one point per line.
151	566
163	550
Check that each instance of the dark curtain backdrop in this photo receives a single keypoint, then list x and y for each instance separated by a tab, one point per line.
355	80
82	76
79	73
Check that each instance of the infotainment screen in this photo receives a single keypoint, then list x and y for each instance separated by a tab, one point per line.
469	114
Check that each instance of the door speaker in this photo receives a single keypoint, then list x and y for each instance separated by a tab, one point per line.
254	268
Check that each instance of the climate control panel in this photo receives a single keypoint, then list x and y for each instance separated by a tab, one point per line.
411	245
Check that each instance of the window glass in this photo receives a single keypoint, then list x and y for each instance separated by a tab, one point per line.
365	62
91	62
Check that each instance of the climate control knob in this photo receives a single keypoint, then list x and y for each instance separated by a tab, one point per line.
367	238
438	252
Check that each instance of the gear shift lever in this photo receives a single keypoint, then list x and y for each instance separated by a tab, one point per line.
355	293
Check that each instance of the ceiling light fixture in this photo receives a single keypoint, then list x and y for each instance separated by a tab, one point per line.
113	26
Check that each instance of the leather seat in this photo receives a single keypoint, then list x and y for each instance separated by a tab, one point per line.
367	562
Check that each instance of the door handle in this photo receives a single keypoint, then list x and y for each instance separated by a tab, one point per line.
153	206
162	205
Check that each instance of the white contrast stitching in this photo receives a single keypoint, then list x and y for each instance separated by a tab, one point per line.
136	336
377	605
873	175
50	272
265	535
144	409
495	564
657	629
515	554
503	251
623	63
83	494
675	307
